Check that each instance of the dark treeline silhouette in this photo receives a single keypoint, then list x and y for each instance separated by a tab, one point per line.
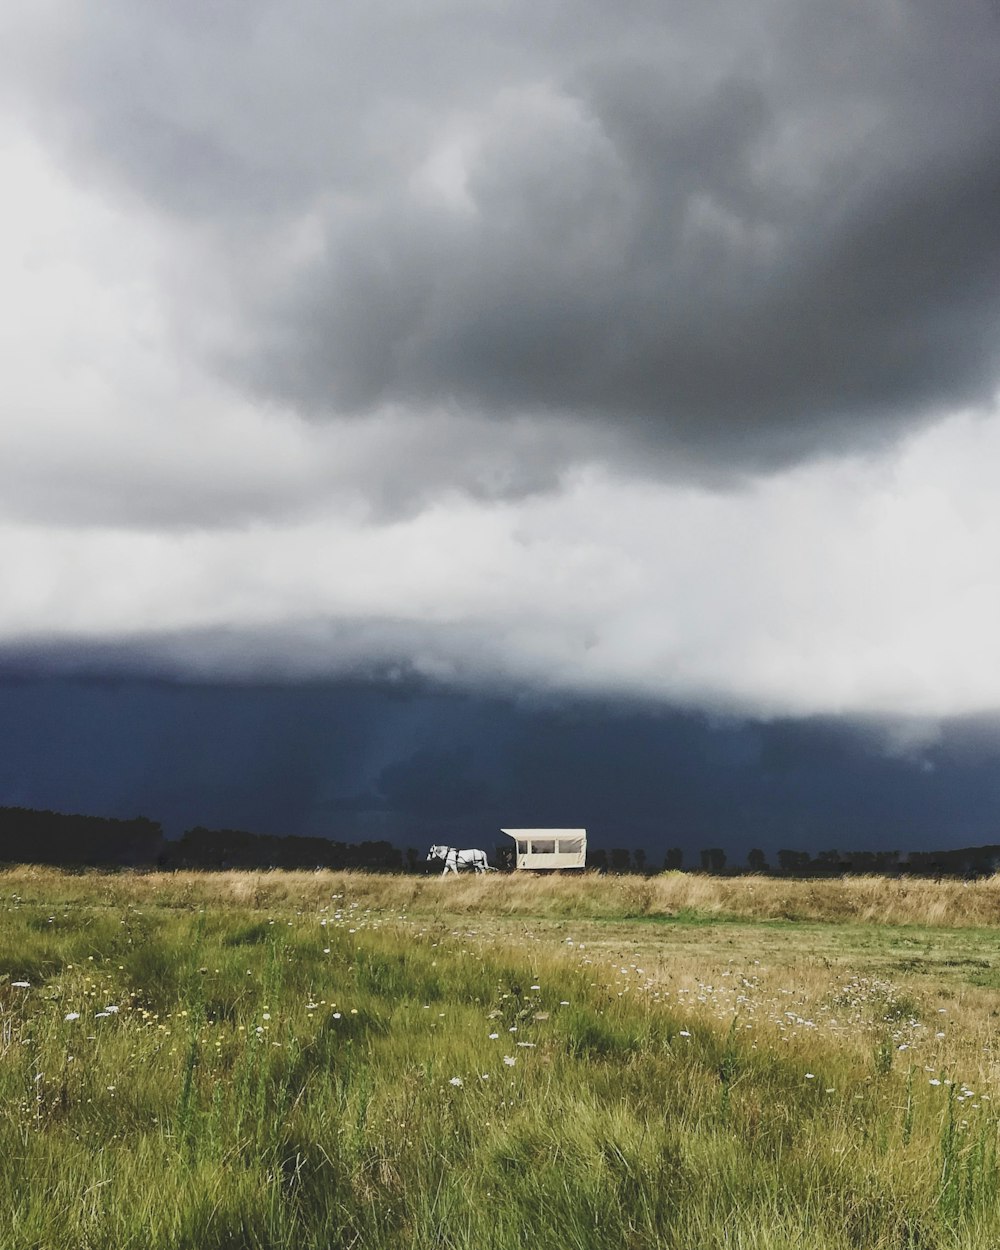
32	837
232	848
964	861
43	837
39	837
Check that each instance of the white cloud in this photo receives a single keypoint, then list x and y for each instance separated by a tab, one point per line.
848	587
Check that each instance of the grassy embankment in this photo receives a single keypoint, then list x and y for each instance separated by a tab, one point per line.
307	1060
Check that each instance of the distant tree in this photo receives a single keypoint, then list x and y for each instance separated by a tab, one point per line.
598	859
412	859
833	861
673	859
870	861
757	860
620	859
639	859
793	861
713	859
926	862
978	861
958	861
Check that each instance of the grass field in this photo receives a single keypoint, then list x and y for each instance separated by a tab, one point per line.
328	1060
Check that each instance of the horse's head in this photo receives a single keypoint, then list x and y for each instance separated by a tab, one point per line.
436	852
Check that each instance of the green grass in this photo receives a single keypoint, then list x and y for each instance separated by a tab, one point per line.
323	1075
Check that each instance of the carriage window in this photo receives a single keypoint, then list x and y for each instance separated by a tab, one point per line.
522	847
571	846
543	846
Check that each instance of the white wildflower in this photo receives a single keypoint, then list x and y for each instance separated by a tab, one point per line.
72	1015
456	1081
21	985
509	1060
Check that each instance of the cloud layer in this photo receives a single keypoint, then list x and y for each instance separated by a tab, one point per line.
648	351
859	588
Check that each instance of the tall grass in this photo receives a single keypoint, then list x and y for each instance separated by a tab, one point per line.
871	900
192	1068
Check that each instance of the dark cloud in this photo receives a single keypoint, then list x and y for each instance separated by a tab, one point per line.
434	785
640	262
745	245
738	235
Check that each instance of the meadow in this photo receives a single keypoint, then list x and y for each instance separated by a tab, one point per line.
319	1060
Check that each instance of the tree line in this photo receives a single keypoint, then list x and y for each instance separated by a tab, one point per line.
43	837
965	861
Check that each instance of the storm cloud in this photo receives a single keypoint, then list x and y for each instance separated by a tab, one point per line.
644	351
737	235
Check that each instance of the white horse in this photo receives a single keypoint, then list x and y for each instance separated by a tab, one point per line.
455	859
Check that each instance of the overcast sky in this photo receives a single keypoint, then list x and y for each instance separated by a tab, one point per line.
644	351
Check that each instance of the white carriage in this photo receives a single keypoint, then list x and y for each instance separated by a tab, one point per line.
542	850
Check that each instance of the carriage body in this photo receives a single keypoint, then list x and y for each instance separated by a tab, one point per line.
548	850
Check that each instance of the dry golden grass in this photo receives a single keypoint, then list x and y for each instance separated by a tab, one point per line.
796	987
864	900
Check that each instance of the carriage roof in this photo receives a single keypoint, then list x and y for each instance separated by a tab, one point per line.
557	835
